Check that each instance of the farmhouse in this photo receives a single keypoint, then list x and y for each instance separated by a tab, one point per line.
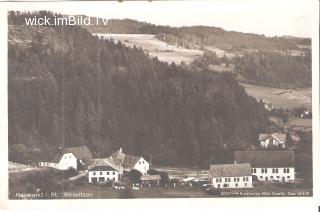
149	180
73	157
230	176
272	140
102	174
129	162
269	165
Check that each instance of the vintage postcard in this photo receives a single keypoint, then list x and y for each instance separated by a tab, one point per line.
144	100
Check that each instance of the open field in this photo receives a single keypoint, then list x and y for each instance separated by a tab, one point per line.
165	52
281	98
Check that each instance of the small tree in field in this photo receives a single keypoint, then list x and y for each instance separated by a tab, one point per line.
134	176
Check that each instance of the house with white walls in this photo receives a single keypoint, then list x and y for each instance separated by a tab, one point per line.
272	140
129	162
73	157
276	166
230	176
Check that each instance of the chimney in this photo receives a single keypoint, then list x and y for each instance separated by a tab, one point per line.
120	150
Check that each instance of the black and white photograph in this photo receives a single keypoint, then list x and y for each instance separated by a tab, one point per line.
181	99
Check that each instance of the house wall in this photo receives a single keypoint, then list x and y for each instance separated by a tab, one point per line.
106	175
271	142
232	182
142	166
271	174
67	161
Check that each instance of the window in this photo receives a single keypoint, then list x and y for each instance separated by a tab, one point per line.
143	162
277	170
288	170
107	173
94	173
139	162
100	173
288	177
273	170
247	179
217	180
236	184
218	185
245	184
238	179
229	179
265	170
262	170
261	177
271	177
284	170
244	179
235	179
113	173
113	178
225	179
278	176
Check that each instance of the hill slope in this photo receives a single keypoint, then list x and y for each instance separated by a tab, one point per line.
69	88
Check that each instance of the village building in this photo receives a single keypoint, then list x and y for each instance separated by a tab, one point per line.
73	157
103	174
272	140
130	162
149	180
277	166
230	176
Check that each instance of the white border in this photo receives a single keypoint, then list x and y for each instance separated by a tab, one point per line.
261	204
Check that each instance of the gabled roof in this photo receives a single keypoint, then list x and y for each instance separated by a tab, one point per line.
80	152
265	159
130	161
230	170
150	177
105	162
103	168
277	136
127	161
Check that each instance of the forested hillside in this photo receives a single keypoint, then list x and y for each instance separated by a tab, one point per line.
200	36
68	88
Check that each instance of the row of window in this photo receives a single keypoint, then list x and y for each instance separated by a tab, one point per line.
235	179
227	185
101	173
275	170
142	162
271	177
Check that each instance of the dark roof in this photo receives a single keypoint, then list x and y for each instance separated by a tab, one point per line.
80	152
127	161
265	159
103	168
230	170
150	177
130	160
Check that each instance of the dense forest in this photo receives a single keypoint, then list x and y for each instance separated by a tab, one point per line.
69	88
200	36
264	68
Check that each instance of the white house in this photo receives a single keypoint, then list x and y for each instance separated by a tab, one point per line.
230	176
70	158
272	140
102	174
277	166
129	162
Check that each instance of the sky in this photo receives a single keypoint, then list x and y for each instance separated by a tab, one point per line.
270	17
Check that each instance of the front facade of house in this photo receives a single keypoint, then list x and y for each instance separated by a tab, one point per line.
69	158
283	174
230	176
272	140
142	166
130	162
275	166
103	174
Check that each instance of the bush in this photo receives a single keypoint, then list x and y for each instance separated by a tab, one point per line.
134	176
